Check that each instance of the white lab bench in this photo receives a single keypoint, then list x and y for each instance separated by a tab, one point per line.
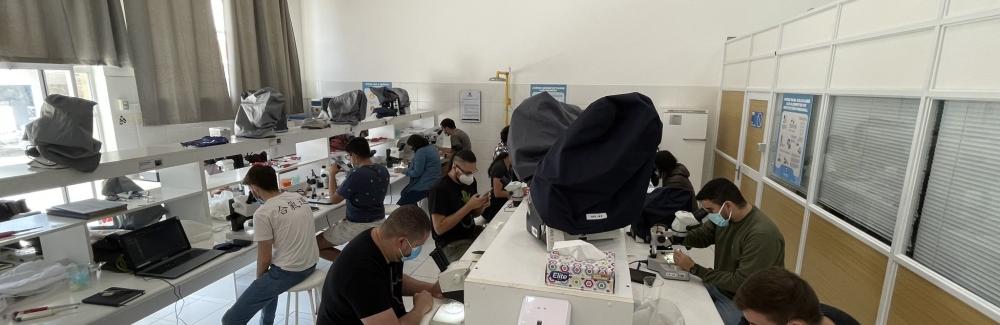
159	294
513	267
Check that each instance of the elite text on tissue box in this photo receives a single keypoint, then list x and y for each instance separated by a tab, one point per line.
585	275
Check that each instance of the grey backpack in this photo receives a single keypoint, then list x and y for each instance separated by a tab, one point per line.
63	135
261	114
348	108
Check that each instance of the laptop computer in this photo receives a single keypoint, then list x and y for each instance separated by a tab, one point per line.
162	250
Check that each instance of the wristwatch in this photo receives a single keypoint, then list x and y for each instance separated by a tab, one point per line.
693	269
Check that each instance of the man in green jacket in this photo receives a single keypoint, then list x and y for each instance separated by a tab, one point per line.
745	239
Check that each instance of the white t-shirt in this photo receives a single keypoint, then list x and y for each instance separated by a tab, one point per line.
288	220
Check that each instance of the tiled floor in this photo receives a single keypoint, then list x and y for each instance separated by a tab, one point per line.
207	305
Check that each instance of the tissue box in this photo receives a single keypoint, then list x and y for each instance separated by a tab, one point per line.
587	275
220	132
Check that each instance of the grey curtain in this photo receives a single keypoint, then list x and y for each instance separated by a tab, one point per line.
264	53
178	66
61	31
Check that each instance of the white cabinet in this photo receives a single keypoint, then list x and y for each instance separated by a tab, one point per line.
684	135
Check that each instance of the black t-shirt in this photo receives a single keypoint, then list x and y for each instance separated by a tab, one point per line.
447	197
361	284
836	315
499	170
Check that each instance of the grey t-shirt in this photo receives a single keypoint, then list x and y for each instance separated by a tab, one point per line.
460	138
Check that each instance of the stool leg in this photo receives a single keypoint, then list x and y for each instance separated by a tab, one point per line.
312	305
296	309
288	306
236	292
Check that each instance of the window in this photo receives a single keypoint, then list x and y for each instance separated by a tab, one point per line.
800	189
955	233
867	150
219	16
22	93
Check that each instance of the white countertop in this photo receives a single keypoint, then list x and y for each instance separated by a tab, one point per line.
158	294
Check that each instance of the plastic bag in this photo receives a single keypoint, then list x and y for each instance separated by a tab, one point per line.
218	205
656	311
30	278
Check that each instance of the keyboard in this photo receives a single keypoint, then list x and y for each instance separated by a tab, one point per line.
181	259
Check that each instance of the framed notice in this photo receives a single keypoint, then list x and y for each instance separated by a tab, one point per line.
792	134
470	105
372	100
557	91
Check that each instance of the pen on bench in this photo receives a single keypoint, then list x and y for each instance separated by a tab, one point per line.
38	309
44	313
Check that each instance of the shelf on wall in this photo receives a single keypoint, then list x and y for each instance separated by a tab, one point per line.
48	224
226	178
300	163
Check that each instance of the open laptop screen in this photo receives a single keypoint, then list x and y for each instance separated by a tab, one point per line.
155	242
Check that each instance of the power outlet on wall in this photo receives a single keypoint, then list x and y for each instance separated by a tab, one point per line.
123	104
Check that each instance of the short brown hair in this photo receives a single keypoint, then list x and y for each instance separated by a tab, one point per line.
263	177
408	221
780	295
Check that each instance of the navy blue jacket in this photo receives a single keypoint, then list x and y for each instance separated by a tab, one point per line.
594	177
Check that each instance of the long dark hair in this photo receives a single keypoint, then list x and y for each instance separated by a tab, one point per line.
417	141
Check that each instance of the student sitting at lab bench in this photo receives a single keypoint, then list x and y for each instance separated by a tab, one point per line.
775	296
500	176
454	203
424	170
286	251
364	190
745	239
366	284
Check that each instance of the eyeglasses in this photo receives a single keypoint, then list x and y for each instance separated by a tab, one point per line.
465	172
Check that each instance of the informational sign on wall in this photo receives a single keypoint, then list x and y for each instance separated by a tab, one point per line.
557	91
756	119
372	100
792	134
470	105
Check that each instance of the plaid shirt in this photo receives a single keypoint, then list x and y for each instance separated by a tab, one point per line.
500	148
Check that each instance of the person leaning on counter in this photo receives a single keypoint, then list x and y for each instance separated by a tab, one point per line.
745	239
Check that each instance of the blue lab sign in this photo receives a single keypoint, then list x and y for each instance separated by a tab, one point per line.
369	84
792	134
557	91
757	119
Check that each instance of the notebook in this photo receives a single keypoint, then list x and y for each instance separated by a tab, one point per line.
87	208
114	297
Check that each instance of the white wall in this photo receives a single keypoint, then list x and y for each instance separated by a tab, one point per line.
669	50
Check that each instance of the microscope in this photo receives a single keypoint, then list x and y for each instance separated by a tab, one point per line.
661	256
315	184
241	209
516	190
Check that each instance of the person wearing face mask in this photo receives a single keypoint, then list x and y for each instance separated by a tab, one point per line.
286	251
745	239
775	296
364	190
366	284
454	203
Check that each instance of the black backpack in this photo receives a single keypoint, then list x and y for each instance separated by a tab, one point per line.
595	176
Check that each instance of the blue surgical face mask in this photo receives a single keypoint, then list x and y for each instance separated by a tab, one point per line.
414	252
717	219
259	200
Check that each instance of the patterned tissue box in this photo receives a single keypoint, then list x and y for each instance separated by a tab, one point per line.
586	275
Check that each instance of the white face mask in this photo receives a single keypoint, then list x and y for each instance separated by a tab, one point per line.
466	179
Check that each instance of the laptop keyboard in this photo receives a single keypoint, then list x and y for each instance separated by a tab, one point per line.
190	255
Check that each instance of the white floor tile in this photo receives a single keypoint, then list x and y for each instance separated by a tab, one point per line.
165	322
213	318
429	270
410	266
221	291
168	310
195	310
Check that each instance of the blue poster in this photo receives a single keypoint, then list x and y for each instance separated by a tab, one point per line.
557	91
756	119
792	134
372	100
369	84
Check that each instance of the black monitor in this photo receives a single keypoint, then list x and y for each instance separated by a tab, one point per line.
153	243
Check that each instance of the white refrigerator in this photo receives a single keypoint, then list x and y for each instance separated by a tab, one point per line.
684	135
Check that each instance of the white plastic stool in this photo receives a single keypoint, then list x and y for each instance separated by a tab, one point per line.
312	286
